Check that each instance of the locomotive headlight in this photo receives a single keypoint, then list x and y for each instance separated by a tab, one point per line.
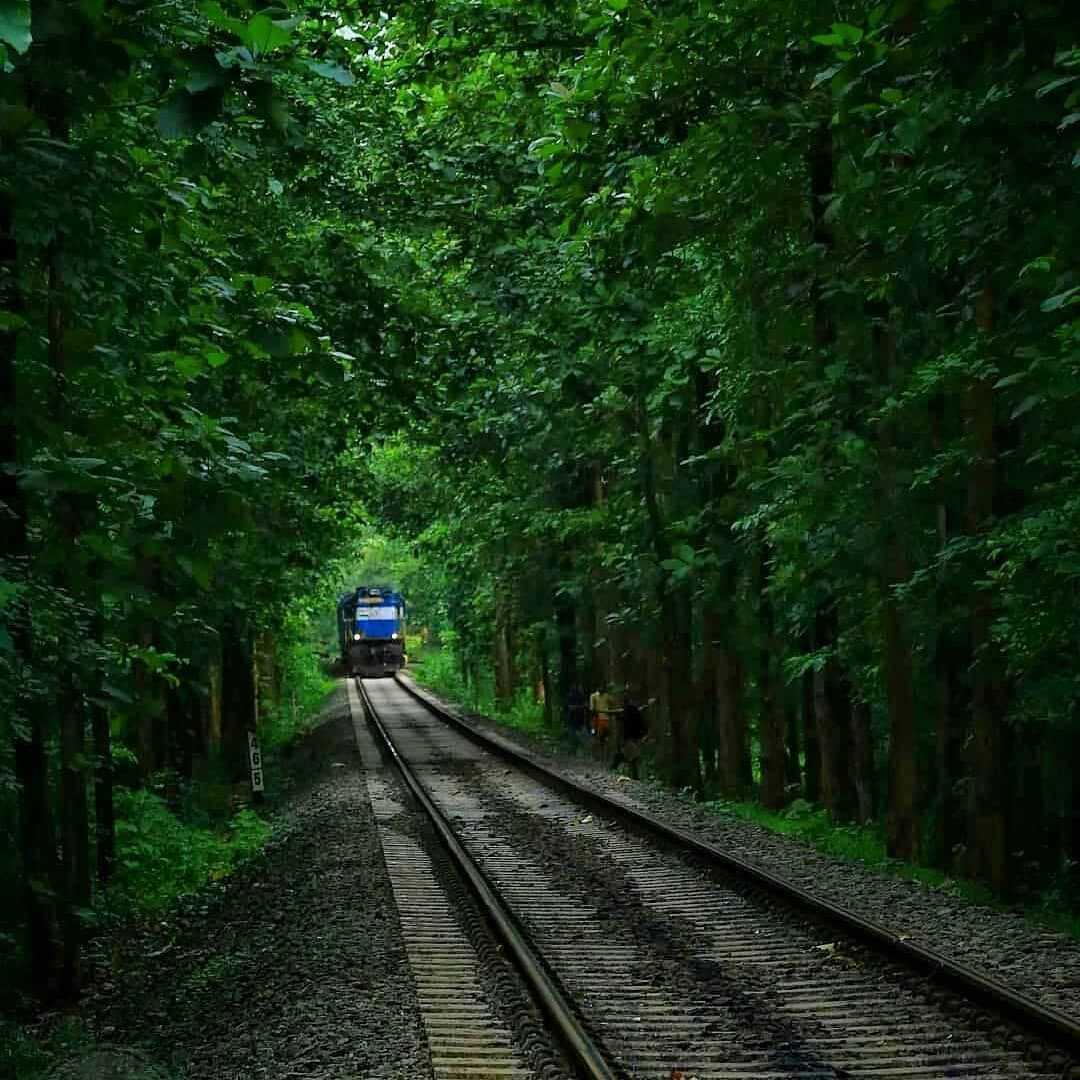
393	637
356	637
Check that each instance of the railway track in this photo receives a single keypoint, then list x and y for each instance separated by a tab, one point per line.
652	956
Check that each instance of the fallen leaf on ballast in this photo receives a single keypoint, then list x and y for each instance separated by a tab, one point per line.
622	779
586	819
829	948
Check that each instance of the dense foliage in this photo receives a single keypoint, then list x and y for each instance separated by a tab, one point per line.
729	352
175	407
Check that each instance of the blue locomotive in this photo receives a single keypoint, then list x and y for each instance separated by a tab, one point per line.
371	630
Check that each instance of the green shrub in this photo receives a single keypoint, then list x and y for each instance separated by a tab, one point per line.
20	1055
440	670
304	685
161	857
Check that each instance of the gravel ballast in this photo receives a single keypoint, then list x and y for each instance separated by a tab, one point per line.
294	966
1035	961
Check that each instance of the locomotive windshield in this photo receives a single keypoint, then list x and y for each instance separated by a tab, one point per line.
383	612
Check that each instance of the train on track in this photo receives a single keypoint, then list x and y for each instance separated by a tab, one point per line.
371	630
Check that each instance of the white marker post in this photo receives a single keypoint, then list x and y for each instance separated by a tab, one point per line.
255	761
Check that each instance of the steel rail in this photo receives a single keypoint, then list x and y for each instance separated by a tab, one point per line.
584	1052
1050	1023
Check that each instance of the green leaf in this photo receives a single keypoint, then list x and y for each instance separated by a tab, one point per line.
852	35
1010	380
1055	84
545	146
216	14
215	358
188	366
188	113
174	118
15	24
118	694
825	76
685	552
1056	303
1043	264
206	77
332	71
1026	406
262	35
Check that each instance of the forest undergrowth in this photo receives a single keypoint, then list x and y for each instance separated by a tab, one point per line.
439	668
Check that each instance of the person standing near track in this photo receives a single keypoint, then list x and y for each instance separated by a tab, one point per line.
634	730
603	704
576	713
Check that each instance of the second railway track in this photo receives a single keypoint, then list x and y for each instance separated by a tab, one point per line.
672	968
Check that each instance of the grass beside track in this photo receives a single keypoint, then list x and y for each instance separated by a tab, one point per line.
439	670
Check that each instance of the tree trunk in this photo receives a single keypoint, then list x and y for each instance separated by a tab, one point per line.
147	698
547	679
734	769
901	829
566	625
215	729
832	708
862	744
989	854
38	851
772	725
74	836
505	648
791	725
69	511
950	659
104	811
678	664
812	775
238	696
708	693
36	844
1071	829
675	623
950	732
